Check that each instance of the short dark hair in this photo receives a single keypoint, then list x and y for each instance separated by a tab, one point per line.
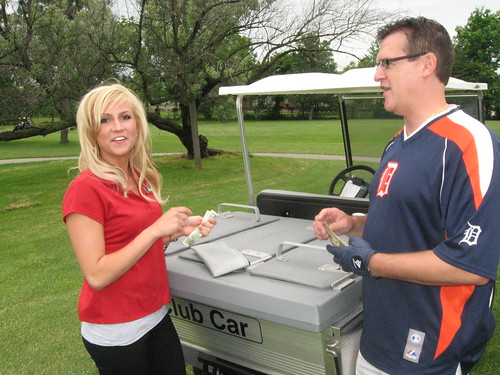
426	35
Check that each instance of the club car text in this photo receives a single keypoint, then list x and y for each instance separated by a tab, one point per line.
217	319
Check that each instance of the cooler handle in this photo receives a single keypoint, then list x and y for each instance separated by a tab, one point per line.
253	208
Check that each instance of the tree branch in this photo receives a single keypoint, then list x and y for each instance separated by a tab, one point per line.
35	130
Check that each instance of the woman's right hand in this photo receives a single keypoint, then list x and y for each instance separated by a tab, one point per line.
172	221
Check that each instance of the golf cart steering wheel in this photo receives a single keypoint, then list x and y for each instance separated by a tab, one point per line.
348	178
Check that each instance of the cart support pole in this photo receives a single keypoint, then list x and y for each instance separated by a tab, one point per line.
345	131
246	159
480	97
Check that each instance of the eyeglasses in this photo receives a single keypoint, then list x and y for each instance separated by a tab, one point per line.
386	63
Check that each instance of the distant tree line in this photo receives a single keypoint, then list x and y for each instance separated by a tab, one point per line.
173	53
477	50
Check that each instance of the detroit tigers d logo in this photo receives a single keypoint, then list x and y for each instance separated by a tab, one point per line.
386	178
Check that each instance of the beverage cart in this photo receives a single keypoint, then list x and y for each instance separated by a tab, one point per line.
260	294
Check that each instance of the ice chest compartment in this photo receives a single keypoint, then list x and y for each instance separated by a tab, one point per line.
264	324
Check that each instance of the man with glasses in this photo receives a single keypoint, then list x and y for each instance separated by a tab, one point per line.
430	244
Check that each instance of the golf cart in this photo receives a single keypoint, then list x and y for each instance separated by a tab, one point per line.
260	295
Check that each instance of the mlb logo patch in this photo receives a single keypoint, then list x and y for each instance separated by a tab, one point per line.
415	339
414	344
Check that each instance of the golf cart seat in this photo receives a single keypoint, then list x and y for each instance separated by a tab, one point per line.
305	205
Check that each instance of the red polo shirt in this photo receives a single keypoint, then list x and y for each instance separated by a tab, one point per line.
144	288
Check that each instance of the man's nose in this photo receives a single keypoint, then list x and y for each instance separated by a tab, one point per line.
379	73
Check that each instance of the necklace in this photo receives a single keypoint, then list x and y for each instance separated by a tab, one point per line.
439	110
409	132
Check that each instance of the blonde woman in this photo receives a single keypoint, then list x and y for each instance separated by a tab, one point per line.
114	219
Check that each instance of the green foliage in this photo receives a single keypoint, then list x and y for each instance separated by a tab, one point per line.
186	47
170	52
224	112
311	54
51	50
477	47
370	58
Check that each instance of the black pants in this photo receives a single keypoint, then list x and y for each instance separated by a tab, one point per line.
158	352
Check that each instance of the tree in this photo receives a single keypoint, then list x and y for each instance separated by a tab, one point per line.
169	51
181	51
370	58
477	47
49	49
312	55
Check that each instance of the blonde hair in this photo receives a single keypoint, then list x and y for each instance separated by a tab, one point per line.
88	119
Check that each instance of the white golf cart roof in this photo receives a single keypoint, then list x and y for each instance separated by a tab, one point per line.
354	81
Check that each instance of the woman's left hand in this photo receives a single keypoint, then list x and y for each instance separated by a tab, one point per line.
192	223
205	227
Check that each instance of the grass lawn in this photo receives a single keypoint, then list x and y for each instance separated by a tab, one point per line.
40	278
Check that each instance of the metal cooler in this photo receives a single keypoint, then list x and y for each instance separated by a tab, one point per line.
292	311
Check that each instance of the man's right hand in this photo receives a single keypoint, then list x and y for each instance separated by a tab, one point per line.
338	221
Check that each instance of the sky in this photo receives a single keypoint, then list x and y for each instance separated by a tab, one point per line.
449	13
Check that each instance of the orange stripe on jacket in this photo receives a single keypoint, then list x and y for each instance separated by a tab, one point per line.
465	141
453	300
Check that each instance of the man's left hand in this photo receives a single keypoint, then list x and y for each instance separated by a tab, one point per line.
354	258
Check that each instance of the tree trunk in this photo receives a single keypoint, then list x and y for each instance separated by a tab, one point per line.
193	117
186	135
183	132
64	135
311	112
